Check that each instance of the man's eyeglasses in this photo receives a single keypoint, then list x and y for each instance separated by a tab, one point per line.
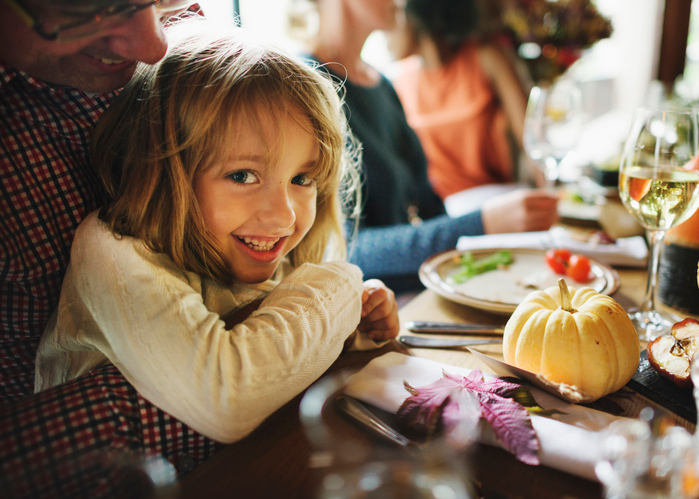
71	24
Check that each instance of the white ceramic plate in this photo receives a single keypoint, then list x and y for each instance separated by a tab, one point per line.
500	291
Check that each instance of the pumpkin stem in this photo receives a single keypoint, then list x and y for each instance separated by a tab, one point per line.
565	297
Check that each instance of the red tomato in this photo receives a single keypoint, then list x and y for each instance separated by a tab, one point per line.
579	268
557	259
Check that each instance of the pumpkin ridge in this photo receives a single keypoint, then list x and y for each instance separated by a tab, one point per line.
622	340
530	344
604	374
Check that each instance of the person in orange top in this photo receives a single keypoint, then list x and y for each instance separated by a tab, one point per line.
462	97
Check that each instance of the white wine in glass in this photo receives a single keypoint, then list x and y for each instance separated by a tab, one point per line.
659	185
552	126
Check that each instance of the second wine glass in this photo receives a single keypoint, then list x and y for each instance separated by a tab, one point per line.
552	126
659	185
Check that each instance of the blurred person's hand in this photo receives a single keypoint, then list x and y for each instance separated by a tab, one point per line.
523	210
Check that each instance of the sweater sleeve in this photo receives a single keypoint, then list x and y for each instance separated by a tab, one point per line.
399	250
153	325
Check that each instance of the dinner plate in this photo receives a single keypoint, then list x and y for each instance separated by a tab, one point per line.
500	291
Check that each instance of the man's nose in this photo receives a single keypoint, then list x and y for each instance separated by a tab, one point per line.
141	38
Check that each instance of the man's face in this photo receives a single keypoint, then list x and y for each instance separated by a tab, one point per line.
99	63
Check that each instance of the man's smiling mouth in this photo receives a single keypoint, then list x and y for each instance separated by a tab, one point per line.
111	61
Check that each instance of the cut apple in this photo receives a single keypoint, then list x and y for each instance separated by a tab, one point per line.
688	328
671	355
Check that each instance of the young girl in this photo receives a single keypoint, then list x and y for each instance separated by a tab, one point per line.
223	165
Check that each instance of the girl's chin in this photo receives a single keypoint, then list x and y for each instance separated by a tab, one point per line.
257	278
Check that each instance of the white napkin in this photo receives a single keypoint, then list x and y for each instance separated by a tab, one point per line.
571	442
469	200
627	251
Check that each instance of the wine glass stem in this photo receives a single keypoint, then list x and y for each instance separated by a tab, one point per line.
551	171
655	239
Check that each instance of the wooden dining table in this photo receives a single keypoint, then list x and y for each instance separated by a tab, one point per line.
278	460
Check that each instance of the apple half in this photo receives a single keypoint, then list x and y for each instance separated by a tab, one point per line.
671	354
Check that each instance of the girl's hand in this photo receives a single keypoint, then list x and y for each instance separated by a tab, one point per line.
379	311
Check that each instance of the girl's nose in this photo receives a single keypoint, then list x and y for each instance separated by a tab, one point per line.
277	210
141	38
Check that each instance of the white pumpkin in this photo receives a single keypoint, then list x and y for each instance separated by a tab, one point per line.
578	338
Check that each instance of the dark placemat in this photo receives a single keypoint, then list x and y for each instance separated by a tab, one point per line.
664	392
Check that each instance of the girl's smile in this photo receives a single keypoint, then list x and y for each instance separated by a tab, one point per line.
262	250
259	200
258	243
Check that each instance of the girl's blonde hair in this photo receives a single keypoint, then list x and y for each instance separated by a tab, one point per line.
181	115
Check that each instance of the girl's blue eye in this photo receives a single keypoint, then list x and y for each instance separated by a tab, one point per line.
242	177
302	179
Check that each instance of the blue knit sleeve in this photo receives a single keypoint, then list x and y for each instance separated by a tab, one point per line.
399	250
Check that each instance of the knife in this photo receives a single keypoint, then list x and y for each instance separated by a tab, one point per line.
453	328
361	414
420	342
370	421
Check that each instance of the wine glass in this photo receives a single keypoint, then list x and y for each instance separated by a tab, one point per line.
644	459
552	126
348	469
659	185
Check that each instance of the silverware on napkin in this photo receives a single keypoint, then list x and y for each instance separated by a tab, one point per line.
419	342
453	328
359	413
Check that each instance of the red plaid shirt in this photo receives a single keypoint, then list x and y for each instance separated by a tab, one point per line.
48	187
67	441
87	438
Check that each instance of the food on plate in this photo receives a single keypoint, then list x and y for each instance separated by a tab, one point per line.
579	269
470	266
576	338
671	354
557	259
563	262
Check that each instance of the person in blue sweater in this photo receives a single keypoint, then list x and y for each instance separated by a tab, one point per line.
402	221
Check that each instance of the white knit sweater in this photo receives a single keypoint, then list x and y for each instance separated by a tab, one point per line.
162	328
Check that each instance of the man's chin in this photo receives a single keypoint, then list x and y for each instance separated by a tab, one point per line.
101	83
105	85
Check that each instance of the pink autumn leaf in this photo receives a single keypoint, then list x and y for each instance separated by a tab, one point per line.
509	419
431	404
474	381
512	426
443	401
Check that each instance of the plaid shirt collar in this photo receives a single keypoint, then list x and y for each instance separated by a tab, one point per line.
8	73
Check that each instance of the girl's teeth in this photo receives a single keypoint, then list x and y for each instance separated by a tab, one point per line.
112	61
258	245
